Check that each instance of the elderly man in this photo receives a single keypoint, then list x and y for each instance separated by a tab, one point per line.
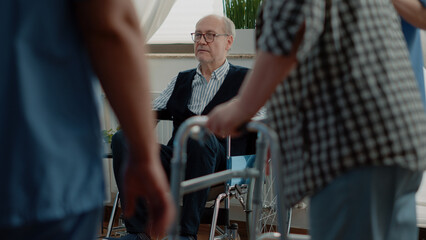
193	92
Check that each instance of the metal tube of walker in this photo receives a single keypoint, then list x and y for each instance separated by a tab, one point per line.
178	165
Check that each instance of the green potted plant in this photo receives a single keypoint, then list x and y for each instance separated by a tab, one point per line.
107	137
243	13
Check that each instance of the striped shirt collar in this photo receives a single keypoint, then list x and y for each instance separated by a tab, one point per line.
219	73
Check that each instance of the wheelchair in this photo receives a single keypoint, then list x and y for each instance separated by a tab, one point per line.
266	218
240	188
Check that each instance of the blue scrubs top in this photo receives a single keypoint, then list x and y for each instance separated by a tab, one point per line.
50	141
412	36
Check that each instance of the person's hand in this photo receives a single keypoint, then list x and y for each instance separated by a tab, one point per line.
148	180
226	118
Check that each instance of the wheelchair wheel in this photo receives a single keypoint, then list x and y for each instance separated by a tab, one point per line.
268	218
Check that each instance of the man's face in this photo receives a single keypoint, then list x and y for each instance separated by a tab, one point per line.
216	51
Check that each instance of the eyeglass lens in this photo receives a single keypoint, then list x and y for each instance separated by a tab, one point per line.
208	37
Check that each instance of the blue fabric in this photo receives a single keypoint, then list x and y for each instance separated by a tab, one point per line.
50	143
373	203
412	37
81	227
240	163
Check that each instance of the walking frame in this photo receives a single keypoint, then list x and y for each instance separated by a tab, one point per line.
194	127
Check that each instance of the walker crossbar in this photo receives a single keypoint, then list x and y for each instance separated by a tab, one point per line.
206	181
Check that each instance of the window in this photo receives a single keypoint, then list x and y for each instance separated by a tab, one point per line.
182	19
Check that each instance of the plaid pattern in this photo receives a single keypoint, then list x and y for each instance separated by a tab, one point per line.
352	101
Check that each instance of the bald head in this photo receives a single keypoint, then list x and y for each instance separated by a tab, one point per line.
212	53
227	25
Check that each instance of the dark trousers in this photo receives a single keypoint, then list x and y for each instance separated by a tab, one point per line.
201	160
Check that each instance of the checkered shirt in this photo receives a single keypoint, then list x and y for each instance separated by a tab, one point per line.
352	101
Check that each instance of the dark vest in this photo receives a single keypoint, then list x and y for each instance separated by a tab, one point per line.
177	106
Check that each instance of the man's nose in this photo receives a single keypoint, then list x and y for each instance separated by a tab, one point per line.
203	40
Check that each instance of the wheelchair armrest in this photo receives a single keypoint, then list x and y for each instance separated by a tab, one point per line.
162	115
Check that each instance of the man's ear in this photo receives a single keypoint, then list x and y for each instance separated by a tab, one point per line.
229	42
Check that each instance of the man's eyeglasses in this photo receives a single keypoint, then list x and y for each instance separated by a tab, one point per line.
208	37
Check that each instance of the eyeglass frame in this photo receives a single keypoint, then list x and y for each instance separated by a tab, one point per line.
193	35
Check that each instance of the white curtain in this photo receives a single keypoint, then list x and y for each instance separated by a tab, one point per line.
182	19
152	14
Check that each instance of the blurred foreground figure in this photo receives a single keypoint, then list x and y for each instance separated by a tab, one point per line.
50	147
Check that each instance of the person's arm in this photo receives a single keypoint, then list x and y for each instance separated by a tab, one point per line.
160	103
412	11
116	46
268	71
259	84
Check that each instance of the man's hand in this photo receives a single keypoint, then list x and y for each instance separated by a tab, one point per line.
150	183
226	118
